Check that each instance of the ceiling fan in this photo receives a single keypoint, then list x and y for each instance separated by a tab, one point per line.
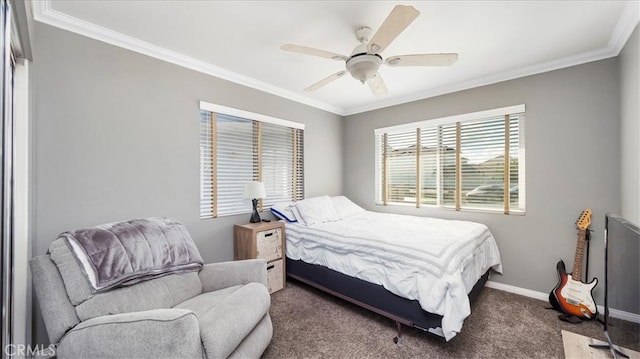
365	59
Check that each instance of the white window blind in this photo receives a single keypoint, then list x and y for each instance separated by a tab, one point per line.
235	150
282	164
470	162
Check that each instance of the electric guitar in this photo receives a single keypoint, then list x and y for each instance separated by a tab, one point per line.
571	295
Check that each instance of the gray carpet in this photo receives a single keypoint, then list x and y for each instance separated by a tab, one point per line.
308	323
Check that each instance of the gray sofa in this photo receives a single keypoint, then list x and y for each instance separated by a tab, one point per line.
221	311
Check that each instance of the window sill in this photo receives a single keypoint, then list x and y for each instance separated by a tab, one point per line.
451	209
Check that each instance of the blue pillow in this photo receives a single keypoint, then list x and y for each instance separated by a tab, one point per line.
283	211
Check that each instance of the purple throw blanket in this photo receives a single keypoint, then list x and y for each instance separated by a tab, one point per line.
124	253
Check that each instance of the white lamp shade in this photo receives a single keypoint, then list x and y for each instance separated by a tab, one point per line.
254	190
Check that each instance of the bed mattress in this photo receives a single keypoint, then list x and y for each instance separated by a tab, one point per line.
434	261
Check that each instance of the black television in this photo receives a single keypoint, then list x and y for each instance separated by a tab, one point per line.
622	284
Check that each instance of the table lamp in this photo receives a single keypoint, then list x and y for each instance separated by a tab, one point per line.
253	191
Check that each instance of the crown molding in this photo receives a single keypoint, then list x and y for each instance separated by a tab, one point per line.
43	12
628	21
578	59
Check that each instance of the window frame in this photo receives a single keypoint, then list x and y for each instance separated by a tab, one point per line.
259	121
456	120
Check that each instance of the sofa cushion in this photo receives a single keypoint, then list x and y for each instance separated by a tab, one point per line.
159	293
226	324
201	304
215	276
256	342
164	333
58	313
76	284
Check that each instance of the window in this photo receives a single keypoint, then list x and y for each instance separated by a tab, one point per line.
238	147
473	161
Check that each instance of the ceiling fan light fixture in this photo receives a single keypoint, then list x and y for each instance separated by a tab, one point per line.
363	67
365	59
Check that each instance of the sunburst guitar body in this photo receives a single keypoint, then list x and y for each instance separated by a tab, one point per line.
571	295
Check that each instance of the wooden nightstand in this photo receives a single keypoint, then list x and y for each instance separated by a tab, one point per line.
263	240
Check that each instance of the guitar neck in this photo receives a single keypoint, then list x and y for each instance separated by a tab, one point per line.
577	263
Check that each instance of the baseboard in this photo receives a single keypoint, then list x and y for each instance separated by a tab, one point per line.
517	290
615	313
630	317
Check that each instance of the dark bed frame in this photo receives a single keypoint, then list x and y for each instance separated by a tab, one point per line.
373	297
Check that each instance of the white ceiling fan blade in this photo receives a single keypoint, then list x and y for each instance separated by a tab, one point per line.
423	60
398	20
325	81
313	52
377	86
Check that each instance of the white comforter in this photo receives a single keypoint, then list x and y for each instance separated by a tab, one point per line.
432	260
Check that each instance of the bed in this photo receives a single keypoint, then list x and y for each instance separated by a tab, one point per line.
419	271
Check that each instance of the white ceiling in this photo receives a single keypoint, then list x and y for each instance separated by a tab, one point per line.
240	40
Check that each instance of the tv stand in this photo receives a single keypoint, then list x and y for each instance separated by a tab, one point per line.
615	352
580	346
608	347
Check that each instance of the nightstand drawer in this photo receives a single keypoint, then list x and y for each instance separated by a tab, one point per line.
269	244
275	275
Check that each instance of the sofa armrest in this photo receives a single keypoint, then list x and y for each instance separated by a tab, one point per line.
159	333
214	276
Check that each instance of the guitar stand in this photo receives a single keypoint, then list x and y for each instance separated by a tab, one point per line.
569	318
586	265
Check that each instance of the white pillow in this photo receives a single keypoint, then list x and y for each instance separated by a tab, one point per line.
284	211
345	208
315	210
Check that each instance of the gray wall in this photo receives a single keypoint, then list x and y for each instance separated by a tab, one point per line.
116	136
572	134
630	128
